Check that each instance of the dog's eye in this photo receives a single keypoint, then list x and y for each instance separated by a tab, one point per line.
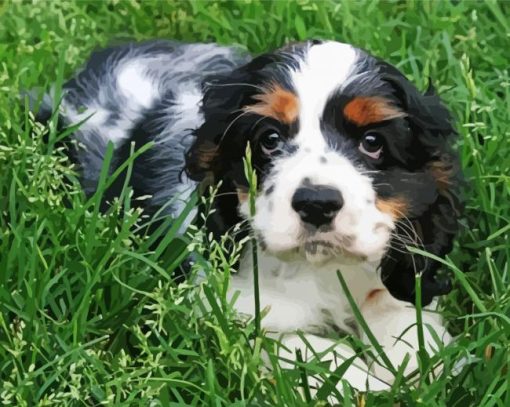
270	142
371	144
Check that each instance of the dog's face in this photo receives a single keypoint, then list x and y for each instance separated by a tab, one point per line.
353	162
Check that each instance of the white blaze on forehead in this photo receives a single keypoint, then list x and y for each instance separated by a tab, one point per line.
324	69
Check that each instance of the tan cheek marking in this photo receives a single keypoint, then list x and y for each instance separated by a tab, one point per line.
367	110
442	172
397	207
373	294
277	103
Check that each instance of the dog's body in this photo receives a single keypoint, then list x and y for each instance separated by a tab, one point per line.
353	164
142	93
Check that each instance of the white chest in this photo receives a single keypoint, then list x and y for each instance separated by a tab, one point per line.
297	295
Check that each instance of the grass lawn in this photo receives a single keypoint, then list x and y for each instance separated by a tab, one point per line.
89	316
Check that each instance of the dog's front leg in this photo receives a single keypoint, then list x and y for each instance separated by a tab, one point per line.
393	324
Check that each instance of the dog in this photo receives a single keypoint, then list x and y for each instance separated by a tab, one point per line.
354	164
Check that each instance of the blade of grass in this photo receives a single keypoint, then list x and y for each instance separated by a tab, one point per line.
422	352
458	274
364	326
304	376
333	379
251	176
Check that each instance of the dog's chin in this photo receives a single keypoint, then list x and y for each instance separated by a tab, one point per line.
320	252
318	257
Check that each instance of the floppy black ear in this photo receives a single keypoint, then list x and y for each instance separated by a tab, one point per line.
436	230
211	153
437	224
206	158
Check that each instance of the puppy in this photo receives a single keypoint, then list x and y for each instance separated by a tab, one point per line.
353	165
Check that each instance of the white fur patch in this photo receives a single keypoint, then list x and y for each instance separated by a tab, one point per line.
95	114
300	295
186	113
135	85
324	69
190	101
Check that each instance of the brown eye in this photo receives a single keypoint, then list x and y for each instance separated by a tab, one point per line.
270	142
371	144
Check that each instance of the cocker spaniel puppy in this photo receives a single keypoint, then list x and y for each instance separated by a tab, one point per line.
353	162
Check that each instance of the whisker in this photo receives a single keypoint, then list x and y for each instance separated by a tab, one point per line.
409	224
381	184
230	126
258	121
220	85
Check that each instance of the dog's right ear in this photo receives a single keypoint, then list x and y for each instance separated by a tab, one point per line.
225	95
220	107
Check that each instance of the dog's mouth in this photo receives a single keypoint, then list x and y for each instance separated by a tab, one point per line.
314	246
319	248
321	251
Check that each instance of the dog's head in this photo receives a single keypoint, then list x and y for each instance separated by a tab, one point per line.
353	162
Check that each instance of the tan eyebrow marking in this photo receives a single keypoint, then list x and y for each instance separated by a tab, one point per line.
364	110
396	207
278	103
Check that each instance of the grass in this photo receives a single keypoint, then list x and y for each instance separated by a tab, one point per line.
89	316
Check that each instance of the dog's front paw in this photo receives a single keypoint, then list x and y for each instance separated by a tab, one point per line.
314	348
394	325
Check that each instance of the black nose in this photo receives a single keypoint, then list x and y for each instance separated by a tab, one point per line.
317	204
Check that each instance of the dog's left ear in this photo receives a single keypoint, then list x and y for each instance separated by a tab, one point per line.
437	225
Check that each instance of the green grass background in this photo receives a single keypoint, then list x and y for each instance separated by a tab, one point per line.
89	316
